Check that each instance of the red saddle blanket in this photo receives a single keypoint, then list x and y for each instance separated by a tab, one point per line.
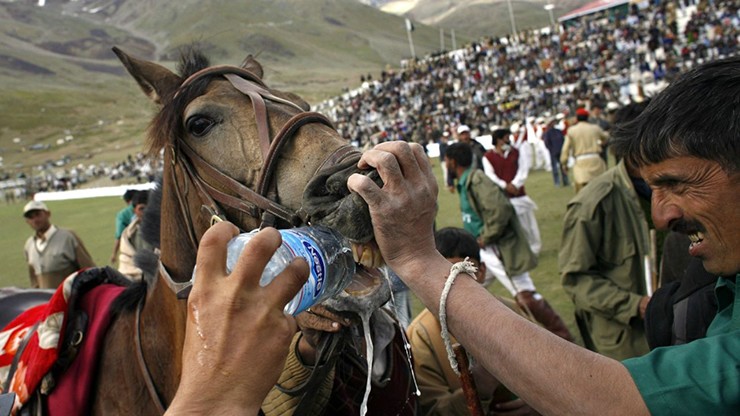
67	393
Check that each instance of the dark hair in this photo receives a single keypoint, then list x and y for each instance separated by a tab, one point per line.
128	196
697	115
141	197
499	134
456	242
625	115
582	117
461	153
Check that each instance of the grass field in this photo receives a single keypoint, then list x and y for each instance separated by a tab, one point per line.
93	220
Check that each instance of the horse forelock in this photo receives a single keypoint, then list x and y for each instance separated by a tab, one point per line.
166	126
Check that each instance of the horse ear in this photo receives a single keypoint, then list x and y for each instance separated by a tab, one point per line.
251	64
155	80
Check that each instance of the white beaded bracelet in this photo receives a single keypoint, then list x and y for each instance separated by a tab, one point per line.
464	266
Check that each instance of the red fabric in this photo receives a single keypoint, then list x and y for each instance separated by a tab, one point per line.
42	349
505	167
73	391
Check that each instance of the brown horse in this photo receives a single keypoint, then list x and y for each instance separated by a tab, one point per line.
234	149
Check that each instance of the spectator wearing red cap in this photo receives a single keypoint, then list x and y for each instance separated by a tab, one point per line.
584	141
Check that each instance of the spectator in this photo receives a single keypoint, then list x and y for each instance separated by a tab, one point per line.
52	253
584	140
503	165
605	241
463	136
490	217
123	219
131	239
554	140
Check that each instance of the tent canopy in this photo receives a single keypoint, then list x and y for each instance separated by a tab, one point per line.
593	7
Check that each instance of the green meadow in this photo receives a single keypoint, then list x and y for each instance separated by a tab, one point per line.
93	220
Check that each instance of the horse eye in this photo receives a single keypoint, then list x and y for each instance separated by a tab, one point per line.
199	126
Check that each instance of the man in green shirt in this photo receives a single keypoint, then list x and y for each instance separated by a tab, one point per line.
123	219
489	216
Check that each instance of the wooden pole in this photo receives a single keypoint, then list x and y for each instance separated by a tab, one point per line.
468	382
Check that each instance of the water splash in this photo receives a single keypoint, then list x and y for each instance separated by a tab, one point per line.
369	351
201	355
196	318
406	344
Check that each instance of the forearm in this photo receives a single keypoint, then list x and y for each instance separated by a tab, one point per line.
521	175
83	258
491	173
523	355
116	246
32	277
184	405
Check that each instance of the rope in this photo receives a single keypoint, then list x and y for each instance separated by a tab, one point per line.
464	266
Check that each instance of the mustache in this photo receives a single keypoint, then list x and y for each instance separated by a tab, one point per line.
687	227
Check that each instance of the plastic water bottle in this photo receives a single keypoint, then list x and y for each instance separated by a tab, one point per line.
327	252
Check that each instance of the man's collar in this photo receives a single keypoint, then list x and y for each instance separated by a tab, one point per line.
46	235
465	174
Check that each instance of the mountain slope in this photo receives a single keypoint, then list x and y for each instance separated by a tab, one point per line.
60	78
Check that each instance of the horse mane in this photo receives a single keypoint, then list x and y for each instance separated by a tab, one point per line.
152	220
145	259
166	126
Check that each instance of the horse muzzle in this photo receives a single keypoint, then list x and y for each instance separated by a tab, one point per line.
328	201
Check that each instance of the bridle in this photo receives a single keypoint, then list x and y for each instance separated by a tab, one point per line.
216	189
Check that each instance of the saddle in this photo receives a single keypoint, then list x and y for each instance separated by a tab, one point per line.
45	343
14	301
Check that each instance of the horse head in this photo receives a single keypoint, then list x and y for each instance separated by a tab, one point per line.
236	149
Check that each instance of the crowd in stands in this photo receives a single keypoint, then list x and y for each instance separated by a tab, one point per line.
139	168
597	60
600	60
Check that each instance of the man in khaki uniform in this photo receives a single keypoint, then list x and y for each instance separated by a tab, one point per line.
51	253
584	141
605	240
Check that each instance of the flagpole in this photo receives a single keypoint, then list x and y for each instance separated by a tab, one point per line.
409	29
513	21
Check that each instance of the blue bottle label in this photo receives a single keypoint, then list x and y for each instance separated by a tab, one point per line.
304	247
